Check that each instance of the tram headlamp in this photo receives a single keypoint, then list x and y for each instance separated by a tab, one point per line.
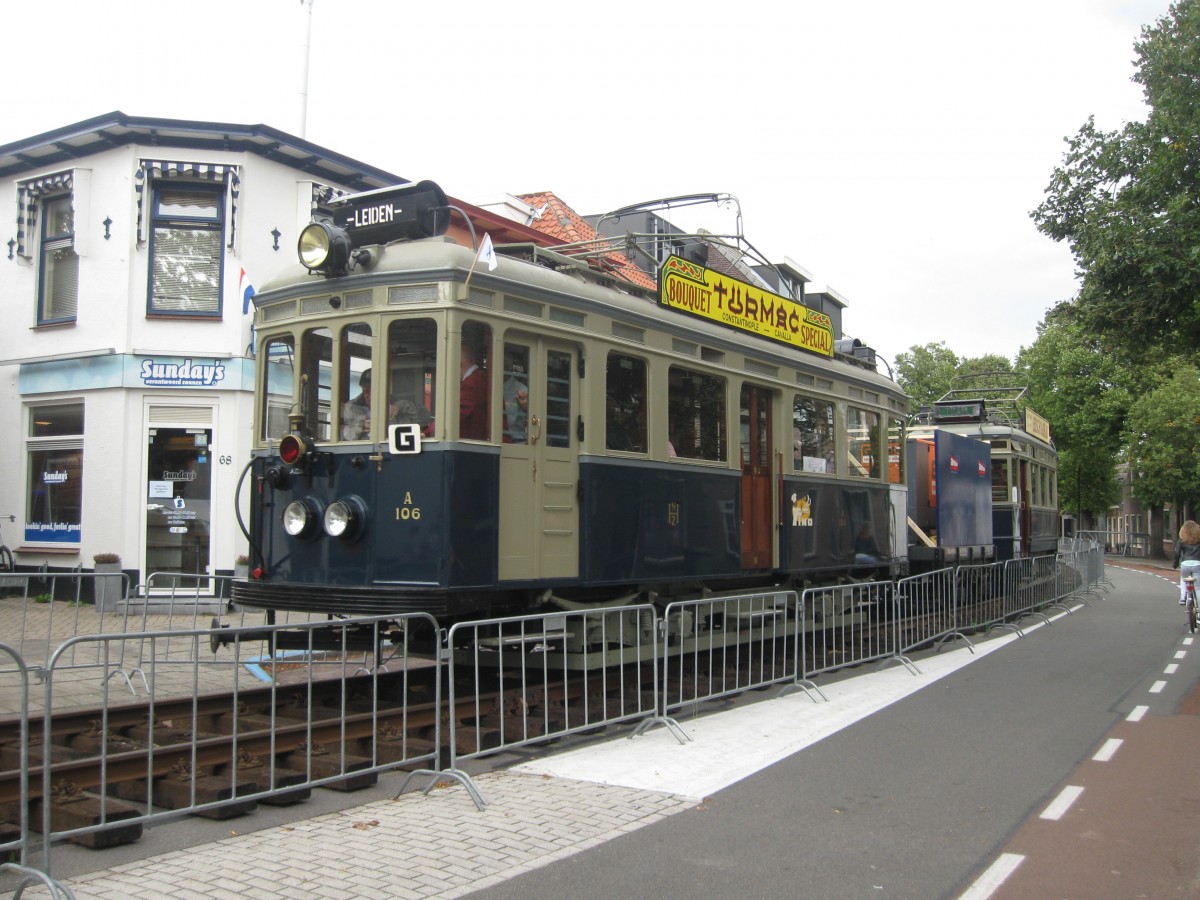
324	248
345	518
301	518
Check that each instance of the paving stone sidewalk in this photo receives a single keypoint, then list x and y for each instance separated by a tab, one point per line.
435	845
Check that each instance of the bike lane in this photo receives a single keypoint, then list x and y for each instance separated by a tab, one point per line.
1126	821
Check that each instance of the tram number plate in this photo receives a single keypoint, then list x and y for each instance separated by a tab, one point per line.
404	438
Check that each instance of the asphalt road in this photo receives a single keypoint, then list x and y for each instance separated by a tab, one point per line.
936	794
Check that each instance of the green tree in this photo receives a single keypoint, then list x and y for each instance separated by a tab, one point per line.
926	373
1126	201
1163	437
1080	391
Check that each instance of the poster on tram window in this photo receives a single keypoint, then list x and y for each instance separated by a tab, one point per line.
698	291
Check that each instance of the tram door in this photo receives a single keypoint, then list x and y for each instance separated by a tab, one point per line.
757	478
539	460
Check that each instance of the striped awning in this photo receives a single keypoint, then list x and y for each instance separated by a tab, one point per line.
323	195
28	195
149	169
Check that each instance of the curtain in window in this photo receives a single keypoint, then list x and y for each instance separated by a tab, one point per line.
149	170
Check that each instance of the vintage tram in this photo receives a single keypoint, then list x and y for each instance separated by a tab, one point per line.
470	432
1022	470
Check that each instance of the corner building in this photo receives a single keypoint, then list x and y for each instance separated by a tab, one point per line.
126	363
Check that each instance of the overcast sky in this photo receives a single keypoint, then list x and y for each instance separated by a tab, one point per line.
892	149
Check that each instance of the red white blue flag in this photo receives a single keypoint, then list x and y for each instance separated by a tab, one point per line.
246	289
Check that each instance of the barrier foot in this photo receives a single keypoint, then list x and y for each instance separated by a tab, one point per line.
128	683
803	684
34	876
904	660
1010	626
670	724
937	648
456	774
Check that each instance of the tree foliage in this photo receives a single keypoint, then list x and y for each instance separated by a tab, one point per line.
1127	201
1163	438
926	372
1084	395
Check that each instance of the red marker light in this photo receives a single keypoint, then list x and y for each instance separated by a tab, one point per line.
292	449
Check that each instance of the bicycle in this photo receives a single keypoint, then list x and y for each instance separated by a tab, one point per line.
1189	601
6	558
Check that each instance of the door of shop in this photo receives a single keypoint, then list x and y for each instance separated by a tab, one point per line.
178	501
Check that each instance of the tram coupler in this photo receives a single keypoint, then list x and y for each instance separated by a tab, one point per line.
333	638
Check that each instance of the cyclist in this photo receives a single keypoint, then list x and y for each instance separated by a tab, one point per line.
1187	555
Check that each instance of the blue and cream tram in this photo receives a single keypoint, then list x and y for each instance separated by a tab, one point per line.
444	430
1023	465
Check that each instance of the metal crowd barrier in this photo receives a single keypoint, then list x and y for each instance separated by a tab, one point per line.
512	682
926	611
718	646
303	728
846	625
14	757
541	677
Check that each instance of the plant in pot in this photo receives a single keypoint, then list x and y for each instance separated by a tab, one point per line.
241	566
110	583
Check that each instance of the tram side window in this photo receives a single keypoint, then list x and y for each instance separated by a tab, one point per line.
412	373
354	382
558	399
862	435
316	381
696	427
813	447
895	451
279	386
625	404
999	480
474	388
516	394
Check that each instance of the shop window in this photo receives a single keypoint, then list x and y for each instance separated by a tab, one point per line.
625	404
696	426
54	492
58	275
813	448
186	228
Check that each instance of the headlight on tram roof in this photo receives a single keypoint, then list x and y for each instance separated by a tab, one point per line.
301	518
324	248
345	518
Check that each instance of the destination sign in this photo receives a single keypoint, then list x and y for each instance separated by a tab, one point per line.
698	291
953	412
1036	425
403	212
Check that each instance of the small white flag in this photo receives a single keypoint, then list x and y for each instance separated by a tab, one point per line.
487	253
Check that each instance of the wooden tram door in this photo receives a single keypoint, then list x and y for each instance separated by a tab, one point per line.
757	477
539	459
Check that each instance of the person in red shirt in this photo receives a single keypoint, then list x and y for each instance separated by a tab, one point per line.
472	397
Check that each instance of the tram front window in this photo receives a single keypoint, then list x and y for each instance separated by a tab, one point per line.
412	373
279	386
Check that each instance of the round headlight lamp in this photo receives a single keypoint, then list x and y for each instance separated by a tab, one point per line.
301	518
345	518
324	248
